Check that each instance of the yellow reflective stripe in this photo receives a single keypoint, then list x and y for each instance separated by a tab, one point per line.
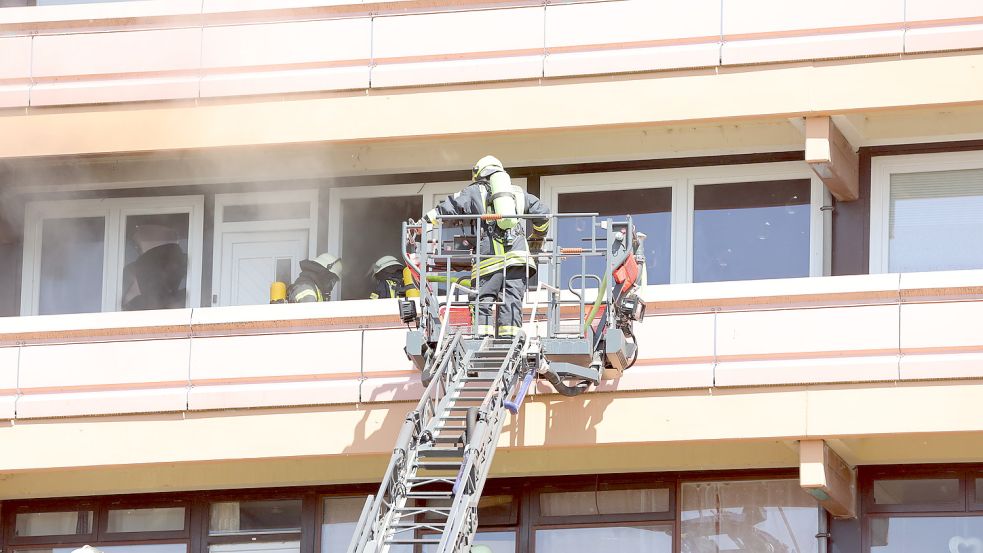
432	216
499	247
486	329
307	292
508	330
510	259
373	296
542	228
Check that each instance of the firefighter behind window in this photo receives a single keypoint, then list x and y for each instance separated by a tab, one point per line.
154	280
506	244
317	279
391	279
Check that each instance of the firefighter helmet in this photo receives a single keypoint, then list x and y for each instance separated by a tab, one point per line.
485	167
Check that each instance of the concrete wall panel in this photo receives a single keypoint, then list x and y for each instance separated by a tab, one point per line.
15	96
157	400
812	47
272	356
115	53
303	42
626	60
808	331
807	371
941	326
455	33
772	16
928	10
15	63
117	90
956	37
278	394
279	82
949	365
383	351
457	71
8	381
63	366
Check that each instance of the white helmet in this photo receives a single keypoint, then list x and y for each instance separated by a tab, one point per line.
383	263
329	262
485	167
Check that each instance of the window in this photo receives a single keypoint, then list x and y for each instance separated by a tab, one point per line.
748	516
260	237
338	519
923	509
925	212
56	523
274	516
146	519
707	224
604	515
126	254
365	225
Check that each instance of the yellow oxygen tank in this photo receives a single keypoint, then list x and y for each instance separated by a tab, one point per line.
278	292
411	291
503	199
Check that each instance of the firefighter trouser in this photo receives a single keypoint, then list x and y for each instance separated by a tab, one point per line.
510	285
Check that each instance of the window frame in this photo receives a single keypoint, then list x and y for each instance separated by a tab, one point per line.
881	170
430	192
114	211
103	521
683	182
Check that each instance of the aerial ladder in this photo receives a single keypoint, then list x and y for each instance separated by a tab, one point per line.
577	334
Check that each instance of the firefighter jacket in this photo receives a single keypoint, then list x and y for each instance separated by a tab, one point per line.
314	284
503	248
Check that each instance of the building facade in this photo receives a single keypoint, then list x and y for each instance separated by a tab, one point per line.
809	175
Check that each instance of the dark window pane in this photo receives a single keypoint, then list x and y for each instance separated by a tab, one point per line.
159	519
748	516
255	517
64	523
370	230
651	211
604	502
934	221
923	491
71	265
493	510
753	230
266	212
155	260
651	539
926	534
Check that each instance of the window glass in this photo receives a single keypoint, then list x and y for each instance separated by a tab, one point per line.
934	221
748	516
651	211
155	261
370	230
498	542
64	523
651	539
604	502
338	522
925	534
492	509
255	517
160	519
920	491
142	548
754	230
72	252
266	212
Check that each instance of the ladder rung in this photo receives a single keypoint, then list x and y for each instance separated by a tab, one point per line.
440	465
408	541
439	452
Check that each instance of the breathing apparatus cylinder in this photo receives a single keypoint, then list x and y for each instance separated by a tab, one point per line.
411	291
503	199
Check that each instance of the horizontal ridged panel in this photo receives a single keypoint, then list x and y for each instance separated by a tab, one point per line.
117	90
927	10
115	53
942	325
812	47
807	371
15	63
956	37
762	16
630	21
282	82
626	60
458	71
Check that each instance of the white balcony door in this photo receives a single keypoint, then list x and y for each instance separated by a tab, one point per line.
251	261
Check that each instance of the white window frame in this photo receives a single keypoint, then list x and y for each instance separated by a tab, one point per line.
115	211
309	195
432	192
683	182
881	169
